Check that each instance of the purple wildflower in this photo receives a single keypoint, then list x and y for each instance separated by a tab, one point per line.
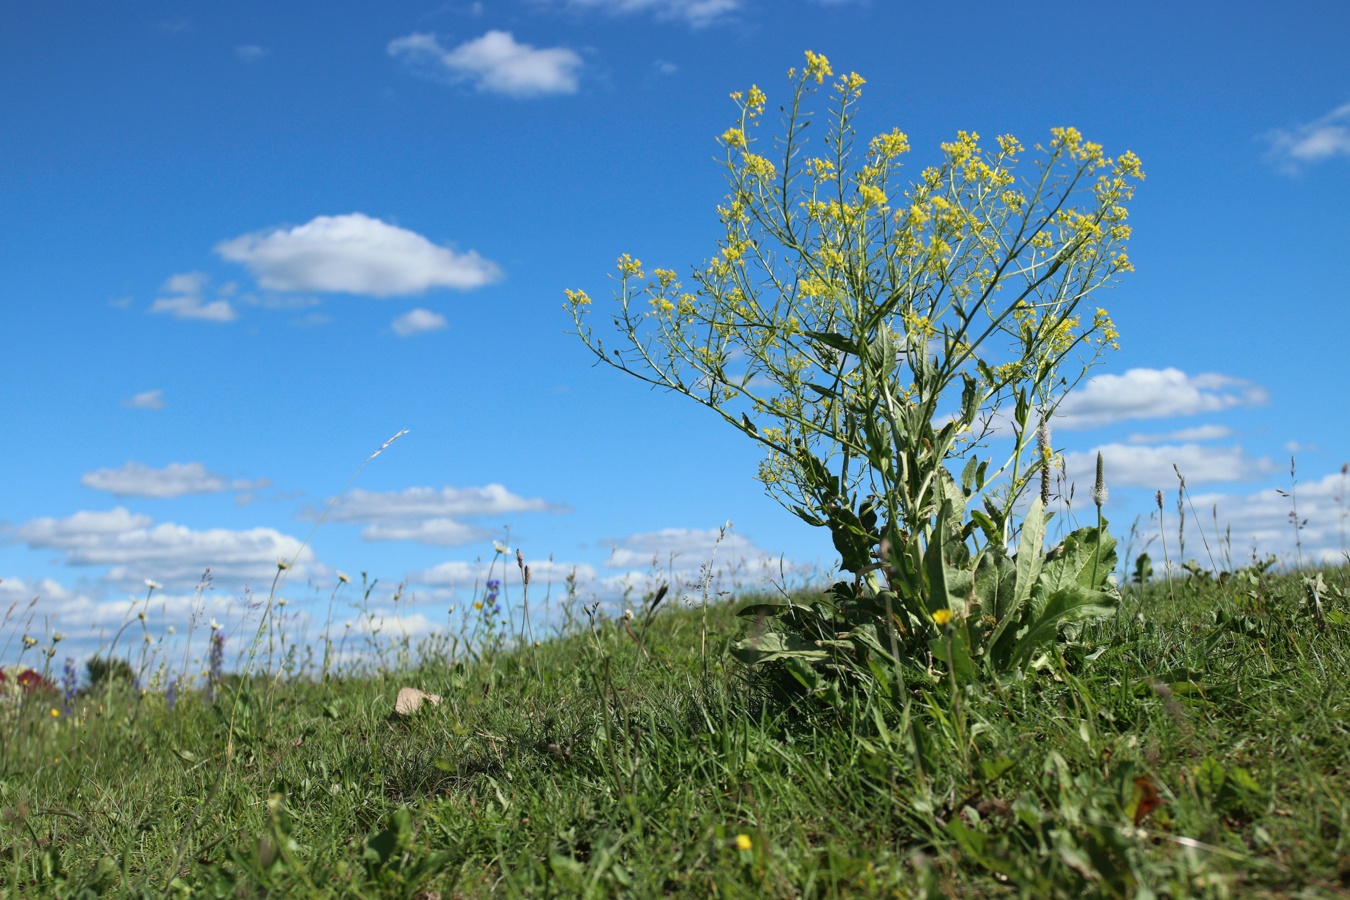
70	679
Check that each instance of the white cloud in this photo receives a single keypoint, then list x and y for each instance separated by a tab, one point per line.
355	254
417	321
146	400
458	574
187	300
250	52
494	63
139	480
171	554
429	503
431	515
436	532
695	12
1153	394
1130	465
689	547
665	68
1263	520
1184	435
1312	142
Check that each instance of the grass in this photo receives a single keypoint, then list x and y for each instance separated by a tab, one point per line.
1196	745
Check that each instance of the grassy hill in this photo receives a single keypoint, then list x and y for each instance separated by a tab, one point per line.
1198	744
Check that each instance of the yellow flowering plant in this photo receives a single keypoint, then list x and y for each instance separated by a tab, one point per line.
868	334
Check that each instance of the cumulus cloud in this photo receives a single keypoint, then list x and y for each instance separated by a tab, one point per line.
186	299
146	400
436	532
459	574
355	254
139	480
1312	142
429	503
494	63
432	516
417	321
695	12
135	548
1133	465
1264	520
1184	435
1153	394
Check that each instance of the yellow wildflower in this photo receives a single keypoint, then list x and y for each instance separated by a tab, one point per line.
576	298
629	266
817	67
942	617
734	138
743	842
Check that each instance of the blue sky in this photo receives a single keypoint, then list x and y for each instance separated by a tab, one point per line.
247	243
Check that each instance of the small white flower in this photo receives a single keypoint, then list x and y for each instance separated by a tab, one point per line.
281	601
628	615
283	565
153	585
148	639
172	630
57	637
343	577
500	547
216	626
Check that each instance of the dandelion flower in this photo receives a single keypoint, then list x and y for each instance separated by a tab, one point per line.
56	713
743	842
942	617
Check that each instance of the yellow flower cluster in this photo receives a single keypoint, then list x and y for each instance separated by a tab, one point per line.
817	67
631	268
889	146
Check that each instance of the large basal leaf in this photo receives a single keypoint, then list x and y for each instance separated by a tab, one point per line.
1074	562
773	645
1029	561
1070	604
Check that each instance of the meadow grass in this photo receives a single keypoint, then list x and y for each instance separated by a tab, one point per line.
1198	744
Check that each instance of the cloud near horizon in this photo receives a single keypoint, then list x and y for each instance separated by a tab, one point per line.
355	254
1135	465
174	555
494	63
432	516
1153	394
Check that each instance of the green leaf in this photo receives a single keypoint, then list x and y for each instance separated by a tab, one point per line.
968	475
934	563
834	341
773	645
1070	604
1075	559
1029	562
755	610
